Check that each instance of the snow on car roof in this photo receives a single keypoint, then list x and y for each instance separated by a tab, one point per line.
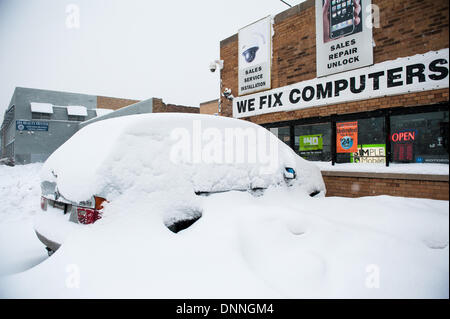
163	151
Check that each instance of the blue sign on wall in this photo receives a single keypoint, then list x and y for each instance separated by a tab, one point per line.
31	126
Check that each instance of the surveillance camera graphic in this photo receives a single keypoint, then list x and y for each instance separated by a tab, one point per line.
249	49
250	54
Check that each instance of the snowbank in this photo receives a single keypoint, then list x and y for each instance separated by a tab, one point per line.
19	192
19	203
280	245
274	246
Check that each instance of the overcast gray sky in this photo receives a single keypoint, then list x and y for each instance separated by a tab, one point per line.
123	48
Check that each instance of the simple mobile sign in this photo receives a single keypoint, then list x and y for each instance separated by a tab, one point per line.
369	153
429	71
343	38
22	125
255	54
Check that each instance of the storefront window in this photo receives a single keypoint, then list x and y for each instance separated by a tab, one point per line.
420	138
414	138
283	134
361	141
40	116
313	142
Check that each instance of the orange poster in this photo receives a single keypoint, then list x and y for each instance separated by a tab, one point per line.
347	137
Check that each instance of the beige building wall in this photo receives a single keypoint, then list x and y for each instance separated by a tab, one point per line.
209	107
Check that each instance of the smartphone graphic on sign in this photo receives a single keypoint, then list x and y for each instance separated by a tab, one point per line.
342	19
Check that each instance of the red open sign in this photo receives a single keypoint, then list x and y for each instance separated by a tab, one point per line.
406	136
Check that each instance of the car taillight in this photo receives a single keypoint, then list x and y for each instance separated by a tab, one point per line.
43	203
87	215
99	202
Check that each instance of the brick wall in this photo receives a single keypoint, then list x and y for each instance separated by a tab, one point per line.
352	184
113	103
209	107
159	107
408	27
403	100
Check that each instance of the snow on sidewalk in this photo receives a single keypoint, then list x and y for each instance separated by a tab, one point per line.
19	202
275	246
410	168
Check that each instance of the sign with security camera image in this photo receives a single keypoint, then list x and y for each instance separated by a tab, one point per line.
255	55
343	35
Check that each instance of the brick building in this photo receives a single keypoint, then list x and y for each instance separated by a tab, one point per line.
402	119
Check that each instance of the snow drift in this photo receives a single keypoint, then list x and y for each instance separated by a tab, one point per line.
280	245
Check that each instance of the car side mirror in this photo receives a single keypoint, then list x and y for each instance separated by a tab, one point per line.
289	173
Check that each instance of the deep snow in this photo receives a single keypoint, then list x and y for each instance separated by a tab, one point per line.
19	190
280	245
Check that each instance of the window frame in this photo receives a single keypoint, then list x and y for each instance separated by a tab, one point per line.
76	118
41	116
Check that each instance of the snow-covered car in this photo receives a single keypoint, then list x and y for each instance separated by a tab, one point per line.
181	156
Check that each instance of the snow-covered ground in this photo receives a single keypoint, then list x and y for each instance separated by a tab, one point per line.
278	245
19	202
411	168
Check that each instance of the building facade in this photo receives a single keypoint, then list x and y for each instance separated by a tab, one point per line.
348	91
37	122
209	107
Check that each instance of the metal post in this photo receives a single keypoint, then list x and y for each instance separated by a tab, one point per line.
286	3
292	136
219	106
387	123
333	140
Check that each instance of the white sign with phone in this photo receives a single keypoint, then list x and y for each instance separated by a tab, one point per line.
344	35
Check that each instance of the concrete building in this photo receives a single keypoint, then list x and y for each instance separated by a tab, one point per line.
337	90
37	122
